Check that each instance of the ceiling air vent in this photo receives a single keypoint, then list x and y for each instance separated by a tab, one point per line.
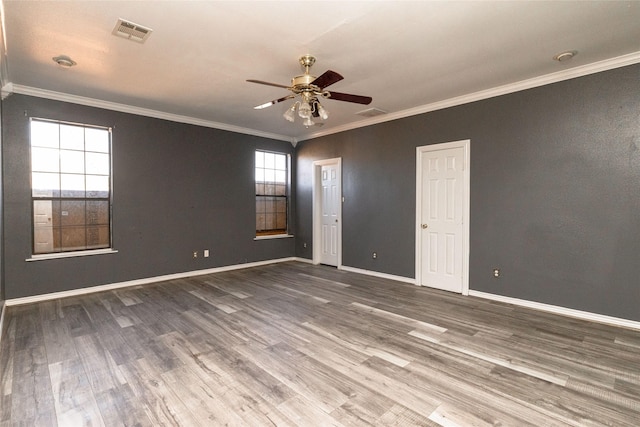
371	112
131	31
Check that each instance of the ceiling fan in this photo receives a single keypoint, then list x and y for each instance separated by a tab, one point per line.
310	89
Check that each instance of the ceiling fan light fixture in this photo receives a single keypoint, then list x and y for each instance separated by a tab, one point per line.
304	111
290	114
324	114
308	122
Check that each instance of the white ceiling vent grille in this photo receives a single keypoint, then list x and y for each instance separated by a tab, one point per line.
131	31
371	112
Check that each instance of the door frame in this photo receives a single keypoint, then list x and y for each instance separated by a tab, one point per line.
317	208
466	145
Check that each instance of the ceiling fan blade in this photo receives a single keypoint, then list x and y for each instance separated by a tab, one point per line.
328	78
338	96
275	101
268	83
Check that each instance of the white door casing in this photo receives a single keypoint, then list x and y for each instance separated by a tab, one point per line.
442	216
327	212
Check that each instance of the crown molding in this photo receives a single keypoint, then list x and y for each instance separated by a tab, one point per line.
583	70
123	108
596	67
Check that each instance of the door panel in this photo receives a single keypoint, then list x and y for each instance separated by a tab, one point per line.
330	209
441	218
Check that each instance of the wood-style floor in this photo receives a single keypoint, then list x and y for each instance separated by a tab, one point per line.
299	345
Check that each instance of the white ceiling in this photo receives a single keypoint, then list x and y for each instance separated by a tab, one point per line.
404	54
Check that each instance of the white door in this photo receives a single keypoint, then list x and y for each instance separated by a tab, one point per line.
330	206
442	211
327	212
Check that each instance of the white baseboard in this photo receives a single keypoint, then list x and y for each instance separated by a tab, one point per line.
584	315
145	281
578	314
378	274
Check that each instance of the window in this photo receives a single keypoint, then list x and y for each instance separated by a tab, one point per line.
272	200
70	187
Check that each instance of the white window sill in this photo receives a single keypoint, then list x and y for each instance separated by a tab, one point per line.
58	255
273	236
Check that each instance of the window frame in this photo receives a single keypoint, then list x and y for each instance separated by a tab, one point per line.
273	233
81	251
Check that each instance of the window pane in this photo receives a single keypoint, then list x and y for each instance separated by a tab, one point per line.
55	208
97	164
97	237
45	159
270	205
44	134
72	212
73	238
71	137
269	160
45	184
259	159
269	221
280	190
260	205
97	212
259	175
281	162
43	240
281	176
72	185
96	140
97	186
269	175
260	222
71	161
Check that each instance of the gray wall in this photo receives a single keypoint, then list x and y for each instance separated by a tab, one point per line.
176	188
555	192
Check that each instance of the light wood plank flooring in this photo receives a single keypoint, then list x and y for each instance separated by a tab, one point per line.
299	345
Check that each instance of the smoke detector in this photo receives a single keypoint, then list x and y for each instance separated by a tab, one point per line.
64	61
565	56
131	31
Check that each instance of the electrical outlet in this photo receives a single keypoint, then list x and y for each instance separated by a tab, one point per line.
195	254
206	253
496	272
374	255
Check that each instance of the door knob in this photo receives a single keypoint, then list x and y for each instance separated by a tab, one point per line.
336	220
424	226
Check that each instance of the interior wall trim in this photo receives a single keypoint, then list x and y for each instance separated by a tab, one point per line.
123	108
403	279
564	311
571	73
137	282
578	314
579	71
